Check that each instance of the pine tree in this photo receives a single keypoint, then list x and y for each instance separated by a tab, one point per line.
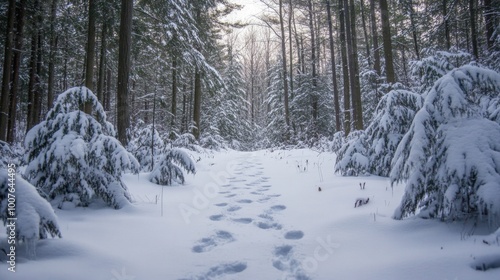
449	157
74	157
168	169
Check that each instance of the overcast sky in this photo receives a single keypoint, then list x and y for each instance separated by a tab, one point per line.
250	9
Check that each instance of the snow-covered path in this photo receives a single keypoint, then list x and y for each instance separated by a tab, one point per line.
257	215
247	227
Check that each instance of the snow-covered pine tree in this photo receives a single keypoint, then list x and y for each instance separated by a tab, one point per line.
146	145
35	217
169	168
435	65
352	157
392	119
74	157
450	157
276	130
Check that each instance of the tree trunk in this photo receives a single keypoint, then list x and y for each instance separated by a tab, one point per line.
7	67
11	130
102	60
345	71
314	98
285	75
32	82
174	93
197	104
89	63
52	54
338	125
290	43
473	29
376	50
489	20
125	43
446	25
357	111
37	106
365	33
387	41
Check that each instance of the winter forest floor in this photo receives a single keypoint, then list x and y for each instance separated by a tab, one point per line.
257	215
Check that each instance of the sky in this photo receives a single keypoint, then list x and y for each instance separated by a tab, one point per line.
250	9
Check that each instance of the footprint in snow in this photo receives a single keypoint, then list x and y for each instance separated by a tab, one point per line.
224	192
264	199
233	208
230	195
294	234
221	204
244	201
216	217
220	270
278	207
284	261
243	220
269	225
208	243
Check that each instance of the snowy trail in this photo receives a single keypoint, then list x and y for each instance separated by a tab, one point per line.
249	200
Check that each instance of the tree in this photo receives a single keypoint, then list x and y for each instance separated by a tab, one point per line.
338	125
122	106
4	101
449	157
35	218
168	170
73	158
387	42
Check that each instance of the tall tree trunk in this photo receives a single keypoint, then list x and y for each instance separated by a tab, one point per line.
290	51
174	94
107	102
52	54
376	50
338	125
11	130
473	29
387	41
489	20
285	75
365	32
125	43
32	81
37	107
314	97
345	70
7	67
446	25
89	63
357	111
197	104
102	60
414	30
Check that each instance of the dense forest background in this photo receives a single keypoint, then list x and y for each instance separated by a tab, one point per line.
297	74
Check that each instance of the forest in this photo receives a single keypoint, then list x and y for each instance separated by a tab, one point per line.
94	90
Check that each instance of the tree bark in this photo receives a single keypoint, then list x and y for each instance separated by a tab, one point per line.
314	98
125	43
11	130
174	93
446	25
7	67
376	50
89	63
102	60
197	104
387	42
357	111
283	57
338	125
473	29
52	54
345	70
365	32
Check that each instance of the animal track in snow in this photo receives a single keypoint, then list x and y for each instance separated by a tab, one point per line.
243	220
244	201
208	243
269	225
294	234
278	207
284	261
230	195
221	204
216	217
218	271
233	208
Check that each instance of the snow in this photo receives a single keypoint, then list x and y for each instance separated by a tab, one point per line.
254	215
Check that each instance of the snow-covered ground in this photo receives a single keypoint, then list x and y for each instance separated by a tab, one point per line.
257	215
